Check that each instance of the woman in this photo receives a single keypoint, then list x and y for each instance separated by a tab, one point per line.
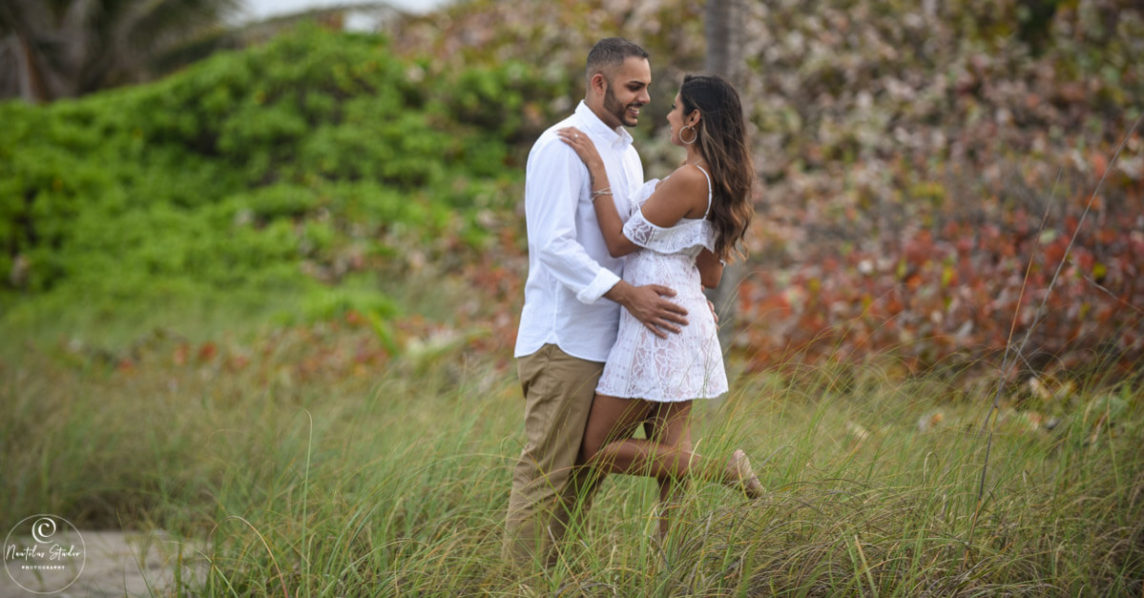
685	228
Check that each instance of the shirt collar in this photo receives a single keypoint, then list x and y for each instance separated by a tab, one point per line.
618	137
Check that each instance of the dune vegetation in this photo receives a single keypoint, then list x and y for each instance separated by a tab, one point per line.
267	304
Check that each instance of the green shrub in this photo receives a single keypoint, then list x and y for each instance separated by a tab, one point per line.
233	173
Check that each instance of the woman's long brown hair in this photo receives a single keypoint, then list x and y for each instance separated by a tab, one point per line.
722	141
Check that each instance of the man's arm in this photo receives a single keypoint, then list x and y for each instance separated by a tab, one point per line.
552	193
553	182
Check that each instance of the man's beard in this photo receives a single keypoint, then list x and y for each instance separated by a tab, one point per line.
615	108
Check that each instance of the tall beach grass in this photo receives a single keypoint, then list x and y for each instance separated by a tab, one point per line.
391	478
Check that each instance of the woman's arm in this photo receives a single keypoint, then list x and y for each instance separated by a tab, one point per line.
682	195
710	269
611	225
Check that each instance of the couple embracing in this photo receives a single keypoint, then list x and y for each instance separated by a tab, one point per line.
615	331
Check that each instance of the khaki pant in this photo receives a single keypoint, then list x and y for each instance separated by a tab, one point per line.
548	491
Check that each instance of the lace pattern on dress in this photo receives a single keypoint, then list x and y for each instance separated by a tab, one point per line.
683	366
687	234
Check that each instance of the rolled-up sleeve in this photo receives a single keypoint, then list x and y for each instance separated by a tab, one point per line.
603	282
555	180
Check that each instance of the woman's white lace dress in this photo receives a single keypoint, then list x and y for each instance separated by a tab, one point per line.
683	366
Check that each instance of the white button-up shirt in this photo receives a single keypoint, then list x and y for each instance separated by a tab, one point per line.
569	268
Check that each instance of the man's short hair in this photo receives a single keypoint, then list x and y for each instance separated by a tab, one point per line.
611	51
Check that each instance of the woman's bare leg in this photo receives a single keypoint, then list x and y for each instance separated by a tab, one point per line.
608	444
668	425
611	419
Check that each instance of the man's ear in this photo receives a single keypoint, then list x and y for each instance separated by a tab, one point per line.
599	82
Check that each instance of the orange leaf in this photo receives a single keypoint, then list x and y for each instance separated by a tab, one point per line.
207	351
1099	164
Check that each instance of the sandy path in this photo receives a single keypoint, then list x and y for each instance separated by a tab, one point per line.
121	564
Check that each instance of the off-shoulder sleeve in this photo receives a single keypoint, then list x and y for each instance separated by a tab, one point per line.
673	239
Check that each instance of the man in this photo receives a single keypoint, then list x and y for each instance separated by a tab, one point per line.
573	296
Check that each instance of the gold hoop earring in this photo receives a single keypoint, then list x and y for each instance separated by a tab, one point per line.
694	137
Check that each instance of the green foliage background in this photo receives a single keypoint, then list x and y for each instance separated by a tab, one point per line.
919	164
274	172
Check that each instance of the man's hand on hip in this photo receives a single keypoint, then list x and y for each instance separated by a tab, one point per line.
650	305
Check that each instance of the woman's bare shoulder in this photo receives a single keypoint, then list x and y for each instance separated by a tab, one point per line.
690	174
683	194
687	180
